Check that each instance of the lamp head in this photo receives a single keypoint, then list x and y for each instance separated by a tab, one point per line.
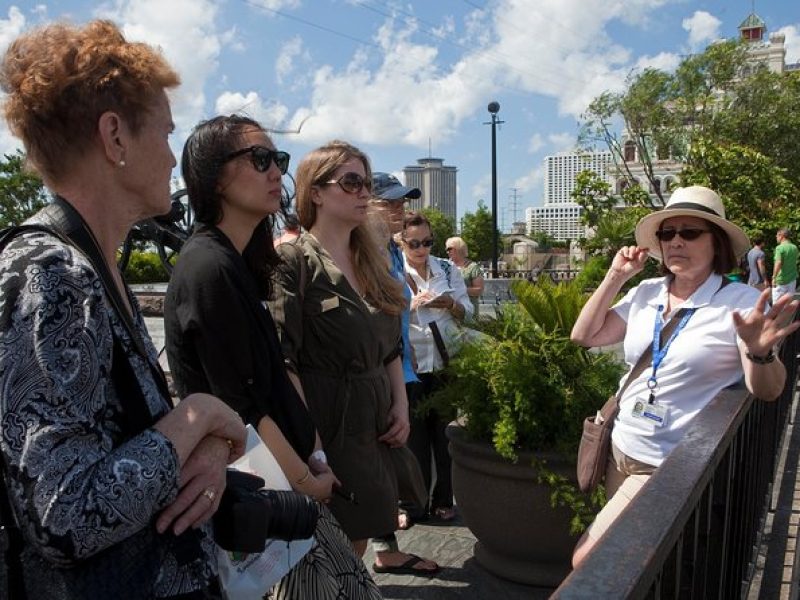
494	107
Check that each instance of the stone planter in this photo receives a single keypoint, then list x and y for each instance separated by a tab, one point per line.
520	536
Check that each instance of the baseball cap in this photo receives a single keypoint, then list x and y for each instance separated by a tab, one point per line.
388	187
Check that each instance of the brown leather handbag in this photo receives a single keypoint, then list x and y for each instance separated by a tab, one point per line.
596	437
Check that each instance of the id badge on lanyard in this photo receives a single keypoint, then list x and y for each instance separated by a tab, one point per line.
649	409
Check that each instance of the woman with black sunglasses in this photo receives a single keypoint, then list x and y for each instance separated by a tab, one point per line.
438	307
338	310
220	335
720	331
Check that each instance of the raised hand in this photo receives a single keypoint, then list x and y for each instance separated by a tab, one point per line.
629	260
764	326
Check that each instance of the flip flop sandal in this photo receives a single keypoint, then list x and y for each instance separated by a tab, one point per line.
404	521
444	514
407	568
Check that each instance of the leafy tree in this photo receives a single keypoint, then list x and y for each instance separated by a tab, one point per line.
21	193
442	228
544	241
476	231
757	193
733	124
593	194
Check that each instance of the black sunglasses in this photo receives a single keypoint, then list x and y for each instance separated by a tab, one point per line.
415	244
262	157
688	233
352	183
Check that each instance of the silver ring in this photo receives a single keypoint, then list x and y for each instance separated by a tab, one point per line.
210	494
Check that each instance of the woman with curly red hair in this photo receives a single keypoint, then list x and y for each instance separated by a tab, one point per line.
111	488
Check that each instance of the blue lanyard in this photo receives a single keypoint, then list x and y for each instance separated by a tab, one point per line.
658	352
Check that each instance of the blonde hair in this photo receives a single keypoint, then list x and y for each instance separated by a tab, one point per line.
457	243
61	78
370	259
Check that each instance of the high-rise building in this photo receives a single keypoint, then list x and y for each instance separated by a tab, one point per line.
560	171
437	183
559	218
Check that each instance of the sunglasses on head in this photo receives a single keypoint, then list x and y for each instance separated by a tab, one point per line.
262	157
352	183
415	244
687	233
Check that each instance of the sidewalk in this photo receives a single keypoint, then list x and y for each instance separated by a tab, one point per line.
461	577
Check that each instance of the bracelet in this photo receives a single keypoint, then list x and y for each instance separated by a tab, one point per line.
761	360
305	477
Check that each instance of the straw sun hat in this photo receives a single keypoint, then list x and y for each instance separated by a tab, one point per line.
694	201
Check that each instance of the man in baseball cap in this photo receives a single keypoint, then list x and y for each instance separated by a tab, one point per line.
388	200
388	187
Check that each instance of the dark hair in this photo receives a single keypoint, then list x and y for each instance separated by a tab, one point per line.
61	78
203	158
291	222
757	241
415	219
724	257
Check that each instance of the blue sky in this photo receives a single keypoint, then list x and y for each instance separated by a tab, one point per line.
398	77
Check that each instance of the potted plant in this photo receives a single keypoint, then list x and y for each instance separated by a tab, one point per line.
522	391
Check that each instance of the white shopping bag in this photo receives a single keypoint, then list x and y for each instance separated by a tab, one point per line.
249	576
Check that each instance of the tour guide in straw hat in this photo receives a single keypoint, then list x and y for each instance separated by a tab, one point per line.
723	331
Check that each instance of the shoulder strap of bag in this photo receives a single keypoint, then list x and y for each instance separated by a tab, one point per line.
641	364
439	341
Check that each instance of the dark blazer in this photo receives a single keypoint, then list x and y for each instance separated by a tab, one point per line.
221	339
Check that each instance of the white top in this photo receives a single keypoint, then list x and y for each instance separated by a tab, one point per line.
419	333
702	360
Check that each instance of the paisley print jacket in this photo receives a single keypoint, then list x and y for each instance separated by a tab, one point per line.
77	486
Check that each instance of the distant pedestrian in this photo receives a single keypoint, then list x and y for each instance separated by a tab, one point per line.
471	271
784	272
756	265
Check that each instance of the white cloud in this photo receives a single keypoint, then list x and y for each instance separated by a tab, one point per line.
270	114
193	54
536	143
405	92
271	5
703	27
533	179
290	50
482	188
664	61
562	142
792	33
11	27
446	30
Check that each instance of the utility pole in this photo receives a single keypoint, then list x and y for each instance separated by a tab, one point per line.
513	205
494	108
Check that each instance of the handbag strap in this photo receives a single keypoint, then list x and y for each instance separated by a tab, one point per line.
666	332
439	341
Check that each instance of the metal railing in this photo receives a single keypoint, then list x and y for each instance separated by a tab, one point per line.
695	528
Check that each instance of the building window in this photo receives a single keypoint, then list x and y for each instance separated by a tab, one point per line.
629	150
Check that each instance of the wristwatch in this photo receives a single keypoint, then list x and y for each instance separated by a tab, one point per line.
761	360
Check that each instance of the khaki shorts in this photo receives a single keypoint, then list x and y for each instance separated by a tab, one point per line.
625	476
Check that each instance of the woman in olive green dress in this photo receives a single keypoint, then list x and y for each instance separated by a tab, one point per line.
338	309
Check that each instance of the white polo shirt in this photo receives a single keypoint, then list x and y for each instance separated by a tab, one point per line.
702	360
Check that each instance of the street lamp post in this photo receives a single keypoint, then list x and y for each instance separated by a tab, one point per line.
494	108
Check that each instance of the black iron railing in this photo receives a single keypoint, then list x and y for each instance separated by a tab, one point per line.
695	528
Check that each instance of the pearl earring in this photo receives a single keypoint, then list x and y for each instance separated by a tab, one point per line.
121	163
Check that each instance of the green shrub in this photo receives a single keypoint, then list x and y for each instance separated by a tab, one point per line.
524	386
145	267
